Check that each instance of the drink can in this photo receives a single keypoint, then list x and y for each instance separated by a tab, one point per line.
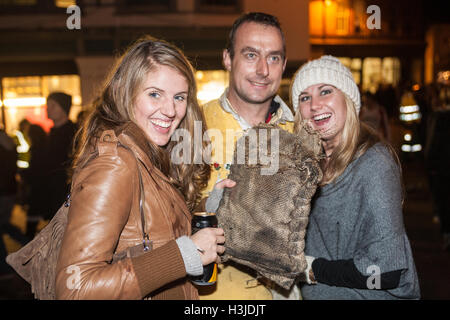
199	221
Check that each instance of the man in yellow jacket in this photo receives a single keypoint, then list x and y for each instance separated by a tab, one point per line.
255	58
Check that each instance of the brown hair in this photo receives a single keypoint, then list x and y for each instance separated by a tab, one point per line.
255	17
115	107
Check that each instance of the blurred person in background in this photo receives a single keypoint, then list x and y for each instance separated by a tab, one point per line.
59	149
35	178
374	114
8	193
437	160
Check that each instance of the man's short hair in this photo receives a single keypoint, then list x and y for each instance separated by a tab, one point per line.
256	17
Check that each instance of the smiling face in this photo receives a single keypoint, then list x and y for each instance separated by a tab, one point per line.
325	106
161	103
258	63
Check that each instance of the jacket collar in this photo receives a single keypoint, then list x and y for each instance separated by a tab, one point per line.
132	137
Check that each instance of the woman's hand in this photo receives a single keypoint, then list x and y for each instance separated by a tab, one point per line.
209	242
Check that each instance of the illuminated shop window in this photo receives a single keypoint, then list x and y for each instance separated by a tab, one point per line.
38	6
378	71
25	98
355	67
65	3
354	64
343	18
330	17
28	6
316	17
391	70
371	72
210	84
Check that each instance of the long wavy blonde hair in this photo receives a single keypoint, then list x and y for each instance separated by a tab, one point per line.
356	139
115	106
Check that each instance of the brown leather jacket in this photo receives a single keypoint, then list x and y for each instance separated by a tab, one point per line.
104	219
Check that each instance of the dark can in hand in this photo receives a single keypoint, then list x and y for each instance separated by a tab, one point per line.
199	221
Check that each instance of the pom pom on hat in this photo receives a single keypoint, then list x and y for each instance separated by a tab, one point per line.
328	70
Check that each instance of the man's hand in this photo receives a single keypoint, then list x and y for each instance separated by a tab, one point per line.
225	183
213	201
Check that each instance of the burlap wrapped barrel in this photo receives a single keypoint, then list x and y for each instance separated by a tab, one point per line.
266	214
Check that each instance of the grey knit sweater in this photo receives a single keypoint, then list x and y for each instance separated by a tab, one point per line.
359	217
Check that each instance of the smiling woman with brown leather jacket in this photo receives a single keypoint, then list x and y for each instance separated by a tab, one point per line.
124	160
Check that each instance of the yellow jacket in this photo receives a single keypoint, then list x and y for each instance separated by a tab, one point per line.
225	127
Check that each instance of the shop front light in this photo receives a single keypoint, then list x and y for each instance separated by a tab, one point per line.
416	148
410	113
24	102
410	116
411	148
409	109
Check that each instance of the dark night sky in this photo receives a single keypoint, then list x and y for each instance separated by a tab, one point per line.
436	11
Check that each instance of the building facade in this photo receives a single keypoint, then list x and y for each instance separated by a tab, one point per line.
45	46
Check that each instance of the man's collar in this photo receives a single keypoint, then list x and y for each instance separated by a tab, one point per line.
277	106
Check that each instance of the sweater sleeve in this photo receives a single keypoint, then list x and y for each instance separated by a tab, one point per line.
158	267
382	241
191	257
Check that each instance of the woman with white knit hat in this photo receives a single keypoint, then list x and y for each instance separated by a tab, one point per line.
356	244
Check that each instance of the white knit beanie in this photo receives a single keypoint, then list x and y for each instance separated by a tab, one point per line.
327	70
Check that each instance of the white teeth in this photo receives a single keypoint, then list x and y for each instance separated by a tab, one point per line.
321	117
259	84
160	123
